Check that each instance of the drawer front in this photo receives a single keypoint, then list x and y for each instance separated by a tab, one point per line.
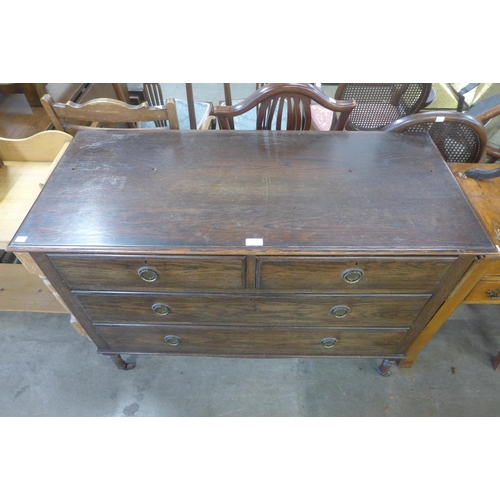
339	275
163	273
485	292
252	309
245	341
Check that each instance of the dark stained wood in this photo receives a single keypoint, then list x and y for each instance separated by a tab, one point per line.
252	342
174	272
204	192
183	204
273	99
382	275
292	310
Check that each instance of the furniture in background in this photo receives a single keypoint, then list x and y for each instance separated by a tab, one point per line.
19	120
481	283
283	106
25	164
377	104
186	110
32	91
459	138
252	243
487	112
71	117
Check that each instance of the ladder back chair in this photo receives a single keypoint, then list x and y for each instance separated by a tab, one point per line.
378	104
284	106
187	111
458	137
71	117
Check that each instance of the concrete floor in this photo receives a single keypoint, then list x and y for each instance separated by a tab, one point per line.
47	369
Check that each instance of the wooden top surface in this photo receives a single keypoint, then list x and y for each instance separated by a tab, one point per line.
202	192
484	196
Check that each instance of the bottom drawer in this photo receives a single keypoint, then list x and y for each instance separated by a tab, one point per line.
250	341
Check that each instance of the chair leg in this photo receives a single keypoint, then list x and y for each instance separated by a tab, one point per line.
496	362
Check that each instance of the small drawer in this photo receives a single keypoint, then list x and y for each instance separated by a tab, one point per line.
244	341
376	275
251	309
485	292
157	274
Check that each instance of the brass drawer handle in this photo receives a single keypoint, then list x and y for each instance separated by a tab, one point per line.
172	340
148	274
493	294
340	311
161	309
353	275
329	342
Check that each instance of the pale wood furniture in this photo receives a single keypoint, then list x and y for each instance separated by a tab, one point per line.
71	117
25	165
284	106
482	281
253	243
19	120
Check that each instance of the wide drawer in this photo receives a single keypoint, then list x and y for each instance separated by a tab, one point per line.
143	273
244	341
364	275
253	309
485	292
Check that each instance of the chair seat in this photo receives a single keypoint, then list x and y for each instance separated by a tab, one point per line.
374	116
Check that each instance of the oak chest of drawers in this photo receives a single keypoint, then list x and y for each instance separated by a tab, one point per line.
252	243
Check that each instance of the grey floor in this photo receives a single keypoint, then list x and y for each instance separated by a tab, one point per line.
47	369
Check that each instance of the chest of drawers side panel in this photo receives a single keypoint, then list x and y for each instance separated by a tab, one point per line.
69	299
455	274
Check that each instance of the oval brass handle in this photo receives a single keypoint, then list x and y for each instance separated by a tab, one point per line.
340	311
148	274
329	342
353	275
161	309
172	340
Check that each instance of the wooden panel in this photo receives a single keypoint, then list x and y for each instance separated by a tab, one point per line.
21	291
483	195
485	292
384	275
494	270
203	192
224	341
223	309
174	273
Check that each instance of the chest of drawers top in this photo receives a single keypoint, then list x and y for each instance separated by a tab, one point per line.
211	192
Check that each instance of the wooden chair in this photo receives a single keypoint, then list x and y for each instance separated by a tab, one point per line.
71	117
487	112
186	110
378	104
459	138
284	106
